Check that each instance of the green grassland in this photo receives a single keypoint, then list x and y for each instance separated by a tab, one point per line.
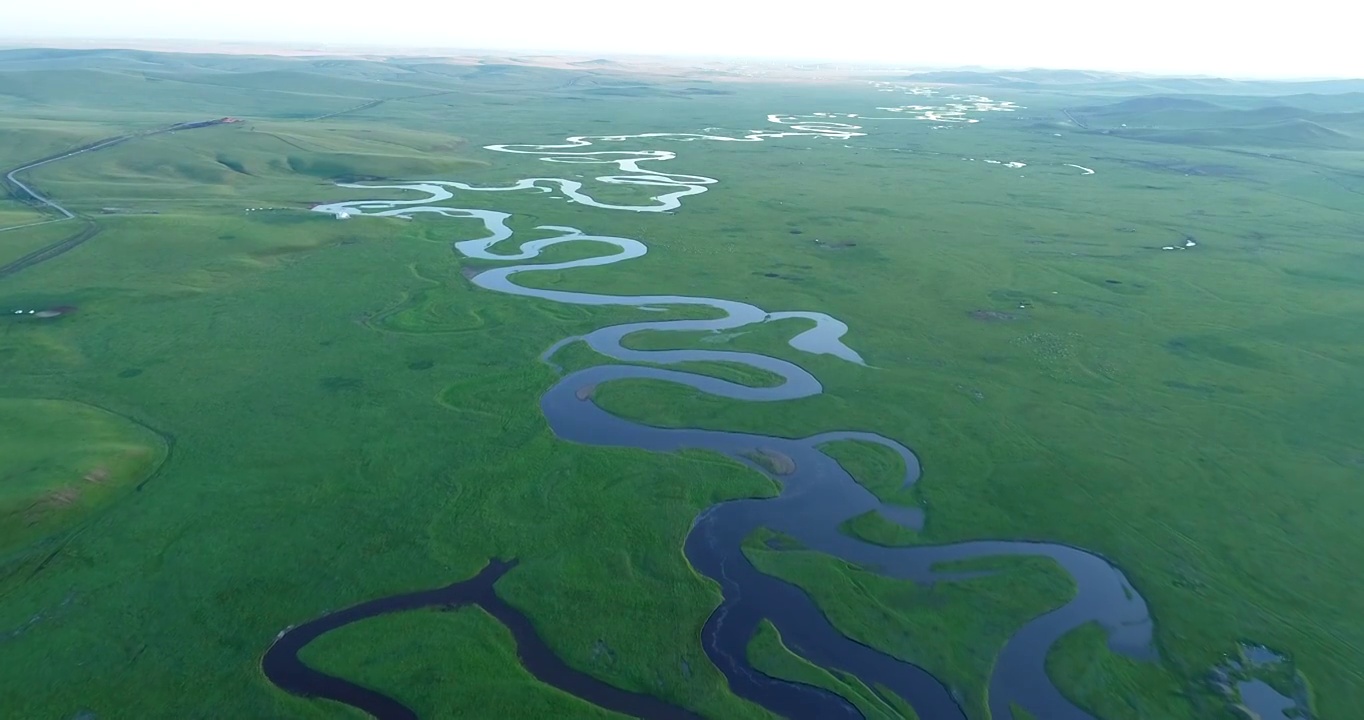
64	462
770	656
952	629
21	241
1113	686
876	467
352	418
412	653
13	214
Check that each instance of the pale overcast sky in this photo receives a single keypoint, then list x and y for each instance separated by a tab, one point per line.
1301	38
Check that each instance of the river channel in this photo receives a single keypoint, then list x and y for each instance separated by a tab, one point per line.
817	495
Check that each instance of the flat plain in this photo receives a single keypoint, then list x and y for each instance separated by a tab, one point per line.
1143	342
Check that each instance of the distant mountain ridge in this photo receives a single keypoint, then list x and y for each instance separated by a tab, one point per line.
1091	81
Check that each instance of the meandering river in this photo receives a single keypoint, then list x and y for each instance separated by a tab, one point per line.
817	495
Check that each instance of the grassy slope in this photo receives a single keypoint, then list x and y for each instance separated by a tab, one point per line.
62	462
327	463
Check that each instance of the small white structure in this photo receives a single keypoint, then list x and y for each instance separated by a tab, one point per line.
342	215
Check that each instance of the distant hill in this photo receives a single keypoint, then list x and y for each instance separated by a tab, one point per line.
1154	104
1321	102
1319	121
1131	84
1164	111
1314	102
1293	133
297	87
1020	77
138	60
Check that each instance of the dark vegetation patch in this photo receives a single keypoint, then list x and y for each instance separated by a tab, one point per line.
992	316
1206	389
974	393
1013	297
366	167
421	365
1213	348
337	383
777	540
130	373
1181	167
602	653
231	164
639	91
872	210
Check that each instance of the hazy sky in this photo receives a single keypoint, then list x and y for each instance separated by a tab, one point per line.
1223	37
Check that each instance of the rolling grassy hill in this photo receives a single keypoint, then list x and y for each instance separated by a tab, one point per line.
73	460
1233	122
1296	133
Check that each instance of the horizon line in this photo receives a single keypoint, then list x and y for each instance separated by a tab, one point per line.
267	48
